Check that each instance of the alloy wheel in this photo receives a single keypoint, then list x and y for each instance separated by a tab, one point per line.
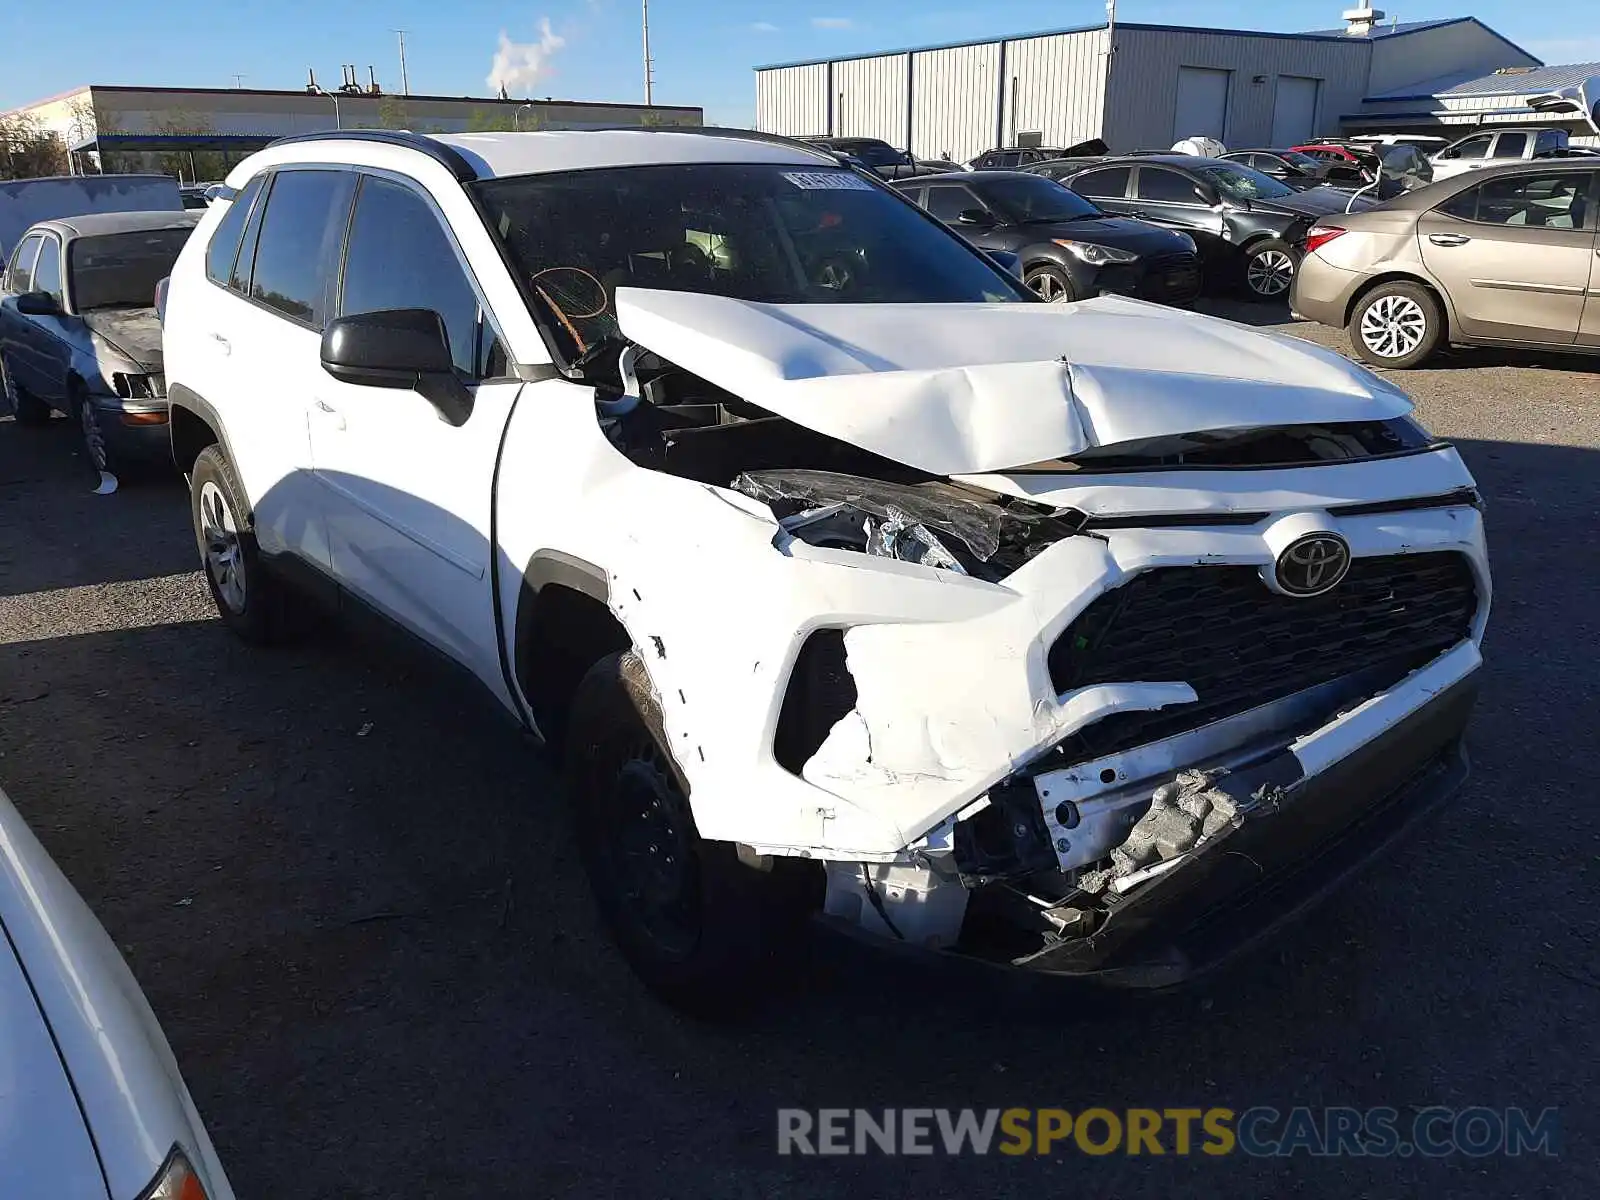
223	549
1047	287
8	387
1270	273
1393	326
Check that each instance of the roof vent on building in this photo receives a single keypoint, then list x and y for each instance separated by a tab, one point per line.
1358	22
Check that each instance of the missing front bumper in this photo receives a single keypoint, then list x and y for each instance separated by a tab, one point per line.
1280	860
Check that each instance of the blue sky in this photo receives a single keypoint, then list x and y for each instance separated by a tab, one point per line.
704	50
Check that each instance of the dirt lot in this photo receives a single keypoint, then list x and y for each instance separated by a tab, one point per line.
347	892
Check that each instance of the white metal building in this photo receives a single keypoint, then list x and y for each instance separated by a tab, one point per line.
1136	86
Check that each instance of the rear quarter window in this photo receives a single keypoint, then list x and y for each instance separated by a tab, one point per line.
223	248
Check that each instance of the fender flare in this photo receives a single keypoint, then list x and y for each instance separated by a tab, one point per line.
179	396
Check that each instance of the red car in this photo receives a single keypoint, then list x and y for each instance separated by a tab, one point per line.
1338	152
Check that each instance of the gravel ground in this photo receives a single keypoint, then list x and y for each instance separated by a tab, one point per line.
346	891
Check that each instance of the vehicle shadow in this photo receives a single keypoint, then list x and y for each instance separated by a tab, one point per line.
353	901
138	532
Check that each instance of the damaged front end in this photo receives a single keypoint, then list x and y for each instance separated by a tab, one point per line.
1071	663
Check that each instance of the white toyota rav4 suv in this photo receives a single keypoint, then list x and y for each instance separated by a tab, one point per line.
844	577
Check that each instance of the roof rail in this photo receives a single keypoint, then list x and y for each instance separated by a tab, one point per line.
743	135
446	156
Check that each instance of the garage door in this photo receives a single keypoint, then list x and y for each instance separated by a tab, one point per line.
1294	111
1202	104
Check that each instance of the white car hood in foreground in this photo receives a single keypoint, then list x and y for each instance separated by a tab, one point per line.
956	389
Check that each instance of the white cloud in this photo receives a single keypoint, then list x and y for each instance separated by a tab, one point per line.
520	65
764	27
832	23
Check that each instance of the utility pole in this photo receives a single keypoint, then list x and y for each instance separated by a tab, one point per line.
649	67
405	82
238	82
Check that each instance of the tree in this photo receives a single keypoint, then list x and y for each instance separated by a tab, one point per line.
29	150
490	121
392	113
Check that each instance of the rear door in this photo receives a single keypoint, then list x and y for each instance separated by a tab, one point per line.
1516	255
263	338
1589	323
1172	199
1106	186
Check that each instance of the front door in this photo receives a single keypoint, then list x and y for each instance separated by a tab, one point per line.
39	352
1515	253
409	496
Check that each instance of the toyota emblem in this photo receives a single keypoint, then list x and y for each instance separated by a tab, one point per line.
1313	564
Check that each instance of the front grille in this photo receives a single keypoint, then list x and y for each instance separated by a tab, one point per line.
1171	277
1239	645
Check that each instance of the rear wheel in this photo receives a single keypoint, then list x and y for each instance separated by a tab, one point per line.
26	407
1269	267
1050	284
250	601
700	927
1396	325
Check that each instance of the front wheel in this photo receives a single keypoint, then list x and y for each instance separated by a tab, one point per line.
1269	267
699	926
1396	325
1051	284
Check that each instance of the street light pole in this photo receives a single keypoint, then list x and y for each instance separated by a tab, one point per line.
405	81
337	120
649	71
516	116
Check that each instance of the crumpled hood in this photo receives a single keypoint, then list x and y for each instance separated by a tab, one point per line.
132	332
968	388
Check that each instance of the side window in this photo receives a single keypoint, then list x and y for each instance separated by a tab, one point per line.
47	271
427	275
1473	147
1110	184
1511	145
1548	144
300	230
225	239
21	270
947	202
1555	201
1463	206
1166	186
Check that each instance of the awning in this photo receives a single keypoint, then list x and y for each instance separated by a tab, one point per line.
160	142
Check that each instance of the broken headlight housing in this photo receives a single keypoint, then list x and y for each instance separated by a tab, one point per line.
933	523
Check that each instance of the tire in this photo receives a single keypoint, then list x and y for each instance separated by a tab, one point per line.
250	601
699	927
1050	283
1397	325
1269	267
27	408
95	448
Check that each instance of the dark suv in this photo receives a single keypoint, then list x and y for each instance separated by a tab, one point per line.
1249	228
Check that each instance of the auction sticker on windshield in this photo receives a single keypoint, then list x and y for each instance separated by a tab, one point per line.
827	181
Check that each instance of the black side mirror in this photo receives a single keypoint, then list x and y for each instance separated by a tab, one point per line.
977	216
1010	263
400	348
1206	196
38	304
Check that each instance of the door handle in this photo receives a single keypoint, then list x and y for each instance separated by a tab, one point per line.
1448	239
223	343
333	415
